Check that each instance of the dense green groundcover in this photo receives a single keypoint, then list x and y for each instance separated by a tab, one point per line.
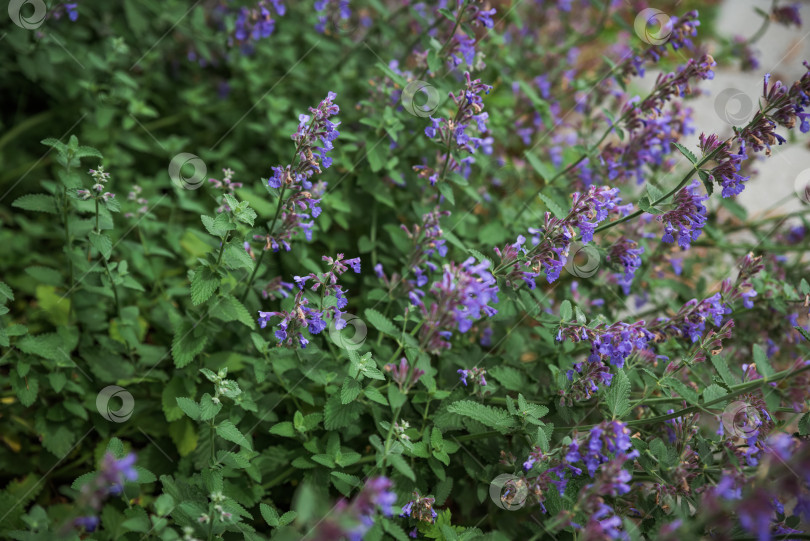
389	269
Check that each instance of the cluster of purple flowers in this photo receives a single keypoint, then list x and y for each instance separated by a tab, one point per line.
337	10
679	30
459	133
679	83
227	185
109	482
255	23
427	241
604	449
685	222
420	508
135	195
460	48
551	243
277	289
627	253
757	503
402	375
302	316
71	9
462	296
100	178
785	106
613	343
648	143
475	373
352	519
727	170
313	140
692	317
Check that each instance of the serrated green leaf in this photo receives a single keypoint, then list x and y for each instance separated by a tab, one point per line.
102	243
228	431
555	209
686	152
36	202
381	323
337	415
189	407
763	363
203	285
186	344
496	418
618	394
350	390
228	308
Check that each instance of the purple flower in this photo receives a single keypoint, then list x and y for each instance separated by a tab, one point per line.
686	221
420	508
628	254
89	523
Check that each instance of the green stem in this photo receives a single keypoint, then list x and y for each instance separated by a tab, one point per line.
253	275
222	247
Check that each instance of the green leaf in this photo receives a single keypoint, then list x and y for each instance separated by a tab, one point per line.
269	514
511	378
36	202
44	275
804	424
447	191
189	407
381	323
686	152
186	344
618	394
763	363
496	418
545	171
284	428
102	243
209	408
228	308
235	257
401	465
555	209
803	332
5	293
337	415
203	285
350	390
706	178
722	369
26	388
565	310
679	387
373	394
228	431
